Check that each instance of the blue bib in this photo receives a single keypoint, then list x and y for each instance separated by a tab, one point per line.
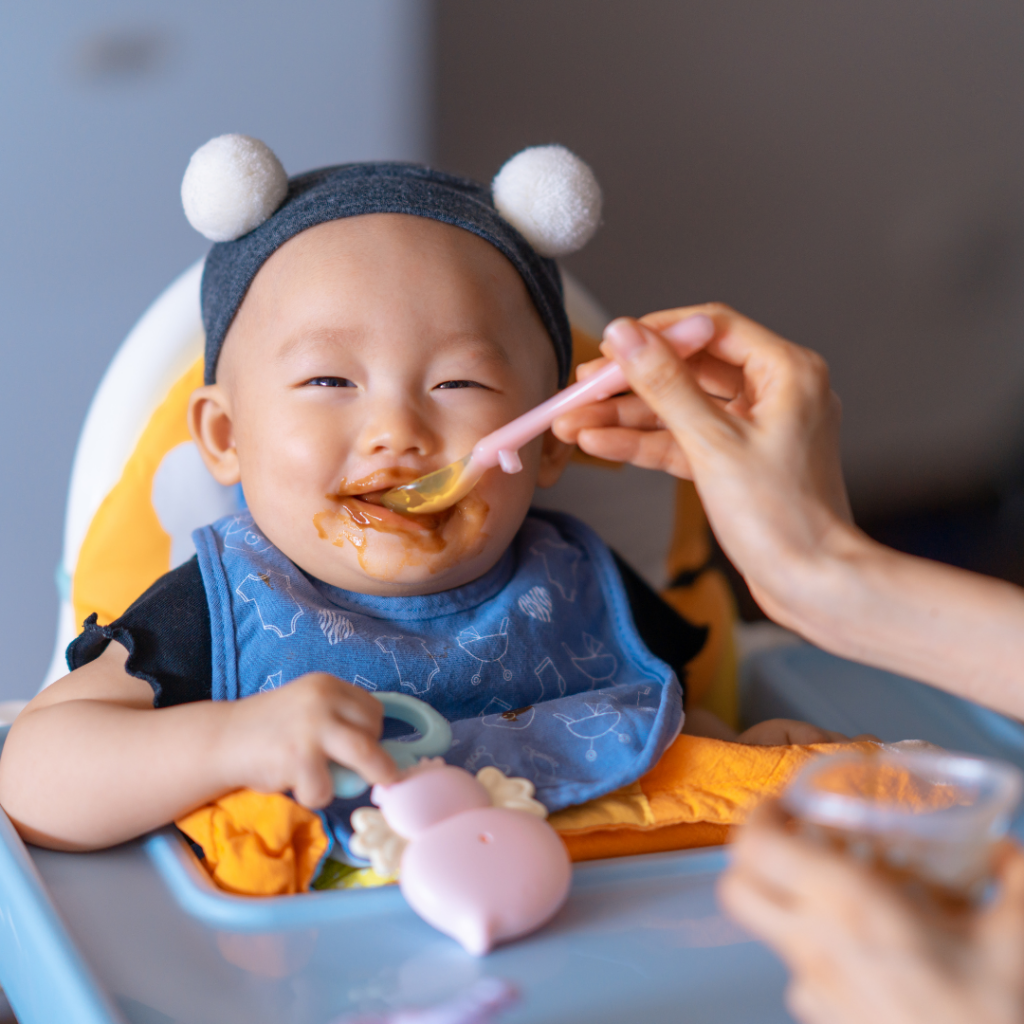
537	664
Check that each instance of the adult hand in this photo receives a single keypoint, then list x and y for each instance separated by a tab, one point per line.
751	419
859	950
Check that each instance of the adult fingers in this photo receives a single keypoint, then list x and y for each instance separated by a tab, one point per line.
764	847
764	909
717	378
671	322
806	1003
642	448
662	380
735	335
768	362
584	370
1002	923
625	411
824	884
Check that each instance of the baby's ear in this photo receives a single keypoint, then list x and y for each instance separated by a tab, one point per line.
212	429
554	457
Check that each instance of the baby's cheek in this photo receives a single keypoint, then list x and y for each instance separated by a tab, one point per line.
508	496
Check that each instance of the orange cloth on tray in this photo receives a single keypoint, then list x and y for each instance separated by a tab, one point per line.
695	793
258	844
265	844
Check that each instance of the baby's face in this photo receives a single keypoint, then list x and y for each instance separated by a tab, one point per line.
367	352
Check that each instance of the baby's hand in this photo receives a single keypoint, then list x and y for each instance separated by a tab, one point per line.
283	740
778	732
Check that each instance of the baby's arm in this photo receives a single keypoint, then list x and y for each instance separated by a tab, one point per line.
90	762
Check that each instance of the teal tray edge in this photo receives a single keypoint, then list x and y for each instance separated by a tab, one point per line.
196	894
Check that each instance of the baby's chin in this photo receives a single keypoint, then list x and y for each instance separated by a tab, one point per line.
384	551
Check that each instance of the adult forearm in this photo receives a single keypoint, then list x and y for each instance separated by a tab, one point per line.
86	774
954	629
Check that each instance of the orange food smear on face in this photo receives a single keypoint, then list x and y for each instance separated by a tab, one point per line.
354	519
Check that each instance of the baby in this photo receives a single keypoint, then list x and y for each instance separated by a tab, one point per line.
376	323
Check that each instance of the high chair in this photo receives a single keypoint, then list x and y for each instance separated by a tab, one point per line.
137	933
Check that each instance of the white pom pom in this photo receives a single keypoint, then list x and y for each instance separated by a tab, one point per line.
232	185
551	197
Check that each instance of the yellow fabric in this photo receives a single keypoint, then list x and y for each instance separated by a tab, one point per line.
690	548
711	675
711	678
126	549
258	844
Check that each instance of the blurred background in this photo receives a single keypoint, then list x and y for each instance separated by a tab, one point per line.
850	174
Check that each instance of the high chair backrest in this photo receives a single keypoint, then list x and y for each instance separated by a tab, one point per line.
139	487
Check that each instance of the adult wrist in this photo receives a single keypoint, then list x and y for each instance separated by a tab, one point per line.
823	585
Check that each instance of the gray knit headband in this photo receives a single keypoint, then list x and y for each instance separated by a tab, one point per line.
236	193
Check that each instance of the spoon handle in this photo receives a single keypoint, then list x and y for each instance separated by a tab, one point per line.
608	381
501	446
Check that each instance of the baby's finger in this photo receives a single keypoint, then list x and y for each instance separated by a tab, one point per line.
313	784
359	751
359	708
836	737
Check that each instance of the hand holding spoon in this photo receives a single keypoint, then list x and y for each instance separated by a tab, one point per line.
445	486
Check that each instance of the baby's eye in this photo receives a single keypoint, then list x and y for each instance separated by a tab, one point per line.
331	382
461	384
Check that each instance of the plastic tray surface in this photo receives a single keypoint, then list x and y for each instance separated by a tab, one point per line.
640	939
138	934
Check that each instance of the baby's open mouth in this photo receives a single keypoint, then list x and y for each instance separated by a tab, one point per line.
370	490
373	497
358	515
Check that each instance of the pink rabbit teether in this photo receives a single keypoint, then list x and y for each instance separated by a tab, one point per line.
475	857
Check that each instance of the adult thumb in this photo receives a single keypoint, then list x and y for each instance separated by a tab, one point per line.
659	376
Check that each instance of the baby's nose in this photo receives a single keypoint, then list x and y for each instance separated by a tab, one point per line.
396	428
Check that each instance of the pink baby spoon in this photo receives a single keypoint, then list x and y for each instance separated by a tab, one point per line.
481	873
445	486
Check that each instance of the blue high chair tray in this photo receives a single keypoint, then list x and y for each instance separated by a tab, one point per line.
105	937
640	939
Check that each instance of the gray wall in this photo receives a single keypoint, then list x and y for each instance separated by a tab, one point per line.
850	174
101	104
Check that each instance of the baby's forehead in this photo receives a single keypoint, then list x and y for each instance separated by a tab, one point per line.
397	249
369	282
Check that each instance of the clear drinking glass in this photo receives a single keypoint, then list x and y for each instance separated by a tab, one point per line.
928	818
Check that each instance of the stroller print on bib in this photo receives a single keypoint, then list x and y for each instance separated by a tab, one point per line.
486	649
537	665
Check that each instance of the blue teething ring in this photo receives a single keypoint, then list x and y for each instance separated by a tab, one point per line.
435	739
